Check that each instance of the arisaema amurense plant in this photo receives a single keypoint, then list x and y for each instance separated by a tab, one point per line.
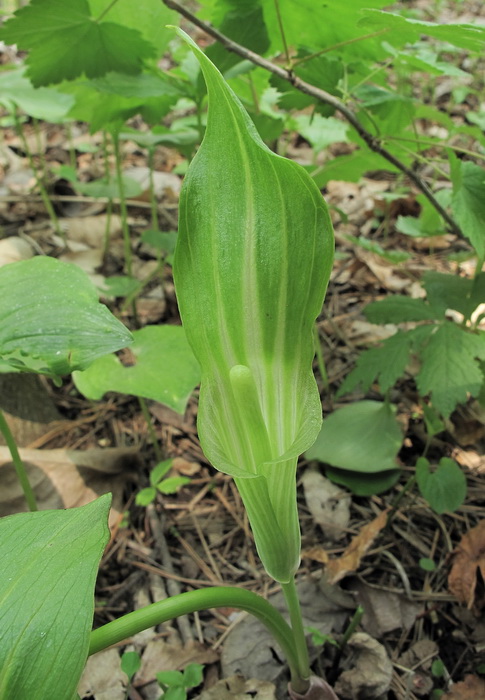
251	269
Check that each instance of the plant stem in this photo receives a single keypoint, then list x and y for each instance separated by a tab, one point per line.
282	32
18	464
202	599
38	178
151	430
320	358
123	209
300	684
372	141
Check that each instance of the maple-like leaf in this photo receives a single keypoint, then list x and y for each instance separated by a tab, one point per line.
65	41
450	369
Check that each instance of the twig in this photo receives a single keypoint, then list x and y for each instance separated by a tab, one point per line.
373	142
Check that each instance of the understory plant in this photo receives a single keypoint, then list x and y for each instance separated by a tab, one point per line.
251	269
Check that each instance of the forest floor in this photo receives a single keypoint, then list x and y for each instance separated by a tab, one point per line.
393	555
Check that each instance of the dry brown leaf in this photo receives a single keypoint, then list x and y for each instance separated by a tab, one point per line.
349	562
468	560
315	554
472	688
90	230
13	249
238	688
328	504
183	466
160	655
383	271
384	611
371	672
67	478
103	678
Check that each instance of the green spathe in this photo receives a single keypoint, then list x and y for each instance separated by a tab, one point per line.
251	268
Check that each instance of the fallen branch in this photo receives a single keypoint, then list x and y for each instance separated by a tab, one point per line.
320	95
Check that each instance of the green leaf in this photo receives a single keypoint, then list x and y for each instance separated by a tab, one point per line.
427	564
361	437
145	496
51	320
434	424
465	36
161	469
251	268
394	256
49	561
170	678
364	484
243	22
399	309
175	692
130	663
172	484
193	675
445	488
150	19
42	103
450	369
446	291
65	41
164	369
385	364
468	202
319	131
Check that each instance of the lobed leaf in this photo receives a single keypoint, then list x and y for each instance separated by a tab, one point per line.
450	368
65	41
163	368
399	309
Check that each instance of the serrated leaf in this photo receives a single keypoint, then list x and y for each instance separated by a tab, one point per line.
444	488
164	369
407	29
445	291
51	319
364	484
65	41
49	562
399	309
42	103
251	267
361	437
385	364
468	202
450	370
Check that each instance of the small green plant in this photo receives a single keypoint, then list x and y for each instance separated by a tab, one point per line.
160	483
175	684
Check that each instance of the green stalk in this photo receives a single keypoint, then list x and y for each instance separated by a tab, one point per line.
302	682
18	464
123	209
38	178
151	429
320	358
202	599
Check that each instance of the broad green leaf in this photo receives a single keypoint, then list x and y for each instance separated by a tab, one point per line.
141	86
446	291
161	469
149	18
243	22
193	675
466	36
450	369
163	369
41	103
385	364
468	202
51	320
445	487
49	563
65	41
320	131
317	25
364	484
146	496
324	72
399	309
251	268
350	167
170	678
361	437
